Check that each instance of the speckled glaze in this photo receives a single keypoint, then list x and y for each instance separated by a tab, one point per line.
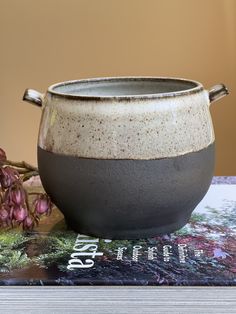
126	157
138	127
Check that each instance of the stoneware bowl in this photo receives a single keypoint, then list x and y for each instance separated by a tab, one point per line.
126	157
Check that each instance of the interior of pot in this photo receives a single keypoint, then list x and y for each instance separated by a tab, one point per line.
124	86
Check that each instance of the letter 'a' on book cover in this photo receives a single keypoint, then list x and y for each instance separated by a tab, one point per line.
201	253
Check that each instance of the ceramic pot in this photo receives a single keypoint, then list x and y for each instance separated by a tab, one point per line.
126	157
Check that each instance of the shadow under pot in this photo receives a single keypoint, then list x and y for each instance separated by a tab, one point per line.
126	157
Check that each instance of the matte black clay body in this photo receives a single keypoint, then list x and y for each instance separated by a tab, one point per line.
126	199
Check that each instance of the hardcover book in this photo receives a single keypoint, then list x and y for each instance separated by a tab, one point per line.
202	253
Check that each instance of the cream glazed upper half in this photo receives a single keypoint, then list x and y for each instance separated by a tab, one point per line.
129	127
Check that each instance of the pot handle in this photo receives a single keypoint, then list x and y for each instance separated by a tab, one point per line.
217	92
34	97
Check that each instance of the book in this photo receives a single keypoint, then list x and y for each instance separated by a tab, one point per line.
201	254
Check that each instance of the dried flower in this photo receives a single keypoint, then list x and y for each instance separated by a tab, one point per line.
16	194
28	223
8	176
43	205
15	205
19	213
3	157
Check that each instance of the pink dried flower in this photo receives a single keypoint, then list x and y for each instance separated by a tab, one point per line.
3	157
43	205
14	202
16	194
28	223
8	176
19	213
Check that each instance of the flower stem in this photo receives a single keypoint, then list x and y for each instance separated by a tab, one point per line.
20	170
21	164
29	174
1	196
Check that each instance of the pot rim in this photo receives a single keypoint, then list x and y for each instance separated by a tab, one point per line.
196	87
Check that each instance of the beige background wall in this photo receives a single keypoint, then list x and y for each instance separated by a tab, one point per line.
46	41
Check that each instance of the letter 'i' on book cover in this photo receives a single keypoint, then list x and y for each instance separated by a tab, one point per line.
201	253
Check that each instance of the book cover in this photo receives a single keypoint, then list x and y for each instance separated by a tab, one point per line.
201	253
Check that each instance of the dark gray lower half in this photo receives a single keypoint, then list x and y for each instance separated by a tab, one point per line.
126	199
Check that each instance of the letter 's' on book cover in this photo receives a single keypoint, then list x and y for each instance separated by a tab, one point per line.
201	253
